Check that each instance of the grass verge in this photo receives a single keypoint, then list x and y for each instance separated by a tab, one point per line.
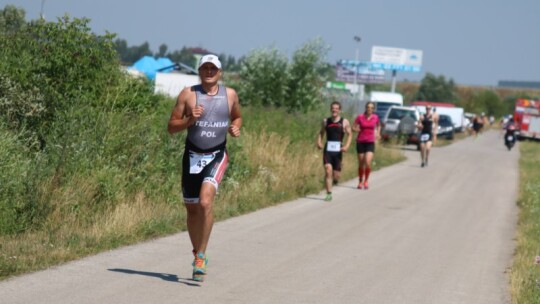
123	186
525	275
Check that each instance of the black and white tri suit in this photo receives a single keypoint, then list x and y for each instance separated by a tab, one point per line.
427	128
332	149
205	156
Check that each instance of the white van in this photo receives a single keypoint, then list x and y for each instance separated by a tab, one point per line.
383	101
457	114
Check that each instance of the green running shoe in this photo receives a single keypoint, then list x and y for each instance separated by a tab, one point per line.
328	197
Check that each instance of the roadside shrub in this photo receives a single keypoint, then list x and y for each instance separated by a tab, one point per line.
21	205
269	79
68	112
20	109
265	76
60	64
305	81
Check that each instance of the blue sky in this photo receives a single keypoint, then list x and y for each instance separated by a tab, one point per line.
474	42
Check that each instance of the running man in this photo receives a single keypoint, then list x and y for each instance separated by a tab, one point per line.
478	123
428	126
208	111
334	127
368	126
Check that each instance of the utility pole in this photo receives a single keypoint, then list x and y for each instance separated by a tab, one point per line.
359	88
41	15
394	73
357	39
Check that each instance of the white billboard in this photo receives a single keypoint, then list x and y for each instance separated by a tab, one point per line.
389	58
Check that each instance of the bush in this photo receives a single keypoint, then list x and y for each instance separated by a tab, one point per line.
21	204
21	110
265	78
305	81
62	65
268	79
67	112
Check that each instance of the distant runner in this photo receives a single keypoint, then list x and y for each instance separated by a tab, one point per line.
428	125
334	127
478	124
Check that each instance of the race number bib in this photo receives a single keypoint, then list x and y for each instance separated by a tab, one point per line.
197	161
333	146
424	137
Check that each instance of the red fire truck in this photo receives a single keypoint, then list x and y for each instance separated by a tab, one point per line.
527	118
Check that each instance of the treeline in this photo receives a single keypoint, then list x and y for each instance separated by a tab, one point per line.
130	54
490	101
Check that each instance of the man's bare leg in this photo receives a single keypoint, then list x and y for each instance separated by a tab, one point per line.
328	181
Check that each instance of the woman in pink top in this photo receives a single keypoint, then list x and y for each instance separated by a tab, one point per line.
368	127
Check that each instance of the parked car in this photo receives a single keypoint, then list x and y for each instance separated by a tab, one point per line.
446	127
401	121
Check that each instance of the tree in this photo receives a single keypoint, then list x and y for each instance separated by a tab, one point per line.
488	102
268	79
12	19
265	78
137	52
129	55
434	88
162	50
230	63
121	47
184	56
305	75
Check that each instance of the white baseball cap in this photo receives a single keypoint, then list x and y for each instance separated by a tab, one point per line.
213	59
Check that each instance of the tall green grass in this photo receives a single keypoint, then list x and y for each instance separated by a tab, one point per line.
19	197
525	277
112	178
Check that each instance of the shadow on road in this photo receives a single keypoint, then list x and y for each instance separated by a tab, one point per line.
401	147
164	276
315	198
343	186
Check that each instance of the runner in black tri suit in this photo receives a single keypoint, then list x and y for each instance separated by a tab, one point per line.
208	111
334	127
478	123
428	126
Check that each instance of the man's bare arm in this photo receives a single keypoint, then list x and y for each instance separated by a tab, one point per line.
182	115
236	115
320	135
348	132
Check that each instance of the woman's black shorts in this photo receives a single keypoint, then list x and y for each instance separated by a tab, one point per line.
363	147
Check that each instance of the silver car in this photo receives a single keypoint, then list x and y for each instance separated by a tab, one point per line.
393	122
401	122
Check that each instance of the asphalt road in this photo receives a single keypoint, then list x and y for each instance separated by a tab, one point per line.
441	234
